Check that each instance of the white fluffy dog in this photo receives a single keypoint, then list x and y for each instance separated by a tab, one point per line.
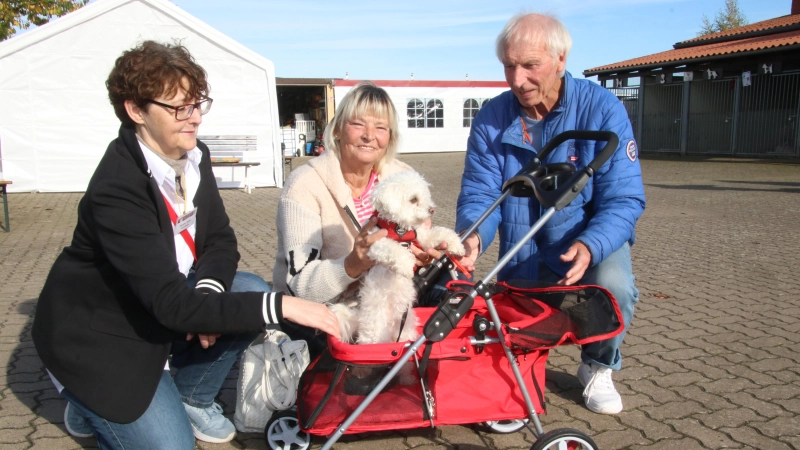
403	203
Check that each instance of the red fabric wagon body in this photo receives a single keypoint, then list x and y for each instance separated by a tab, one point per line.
466	383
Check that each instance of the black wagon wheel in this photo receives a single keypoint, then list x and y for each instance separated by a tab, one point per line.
564	439
283	432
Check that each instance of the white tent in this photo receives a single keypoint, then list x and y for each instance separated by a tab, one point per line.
55	117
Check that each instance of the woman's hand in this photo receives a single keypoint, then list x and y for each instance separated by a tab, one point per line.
357	262
206	340
311	314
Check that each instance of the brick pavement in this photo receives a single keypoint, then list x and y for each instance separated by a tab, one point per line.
709	361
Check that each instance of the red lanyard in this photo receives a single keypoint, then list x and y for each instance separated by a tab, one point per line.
185	233
525	135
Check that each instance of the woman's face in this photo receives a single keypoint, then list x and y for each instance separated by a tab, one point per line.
160	130
363	140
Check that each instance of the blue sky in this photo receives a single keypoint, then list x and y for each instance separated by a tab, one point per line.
447	39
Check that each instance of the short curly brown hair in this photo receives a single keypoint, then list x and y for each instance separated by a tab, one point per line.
152	69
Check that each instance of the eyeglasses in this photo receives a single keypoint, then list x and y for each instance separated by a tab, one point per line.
183	112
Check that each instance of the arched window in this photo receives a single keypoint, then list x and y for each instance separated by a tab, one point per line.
425	113
471	108
416	113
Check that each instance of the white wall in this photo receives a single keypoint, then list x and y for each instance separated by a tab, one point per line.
453	136
55	117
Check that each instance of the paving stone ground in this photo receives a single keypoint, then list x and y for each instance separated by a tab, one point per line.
711	360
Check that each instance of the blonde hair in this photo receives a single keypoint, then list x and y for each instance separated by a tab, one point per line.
528	29
365	99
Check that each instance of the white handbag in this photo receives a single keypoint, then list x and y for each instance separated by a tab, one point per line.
269	374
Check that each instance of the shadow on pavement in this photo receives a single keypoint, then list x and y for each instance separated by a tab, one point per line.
708	187
28	380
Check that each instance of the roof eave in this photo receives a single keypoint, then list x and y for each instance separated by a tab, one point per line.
681	62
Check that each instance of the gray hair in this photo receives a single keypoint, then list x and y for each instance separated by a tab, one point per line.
365	99
531	29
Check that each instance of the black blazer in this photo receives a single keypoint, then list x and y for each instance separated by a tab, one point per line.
115	299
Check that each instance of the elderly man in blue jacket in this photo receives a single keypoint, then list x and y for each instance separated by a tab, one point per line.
587	242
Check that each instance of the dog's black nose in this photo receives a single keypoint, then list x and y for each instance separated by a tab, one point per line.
431	211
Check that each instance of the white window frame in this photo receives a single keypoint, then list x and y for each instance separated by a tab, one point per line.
470	111
425	112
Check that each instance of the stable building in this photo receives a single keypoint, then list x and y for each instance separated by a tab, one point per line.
736	92
56	120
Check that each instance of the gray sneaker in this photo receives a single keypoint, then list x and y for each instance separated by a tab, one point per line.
77	425
209	425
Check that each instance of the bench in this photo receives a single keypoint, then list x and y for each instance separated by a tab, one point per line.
3	184
231	151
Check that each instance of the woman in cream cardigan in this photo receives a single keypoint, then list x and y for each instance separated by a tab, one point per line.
322	213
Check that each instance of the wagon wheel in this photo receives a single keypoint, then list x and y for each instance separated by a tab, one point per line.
506	426
283	432
564	439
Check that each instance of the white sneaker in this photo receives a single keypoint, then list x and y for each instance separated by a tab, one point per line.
599	394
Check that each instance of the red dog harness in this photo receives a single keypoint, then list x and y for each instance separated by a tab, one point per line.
406	237
397	233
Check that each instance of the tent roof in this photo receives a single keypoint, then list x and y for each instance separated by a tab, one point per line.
100	7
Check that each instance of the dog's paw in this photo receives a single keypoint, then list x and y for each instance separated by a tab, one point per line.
348	321
438	235
384	251
404	265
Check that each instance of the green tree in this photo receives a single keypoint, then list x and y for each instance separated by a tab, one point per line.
21	14
730	16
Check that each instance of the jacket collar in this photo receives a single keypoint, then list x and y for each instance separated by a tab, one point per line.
329	170
131	145
513	134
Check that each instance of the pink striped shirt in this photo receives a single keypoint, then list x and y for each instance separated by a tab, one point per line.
364	204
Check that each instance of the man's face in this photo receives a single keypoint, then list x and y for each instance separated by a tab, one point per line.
532	74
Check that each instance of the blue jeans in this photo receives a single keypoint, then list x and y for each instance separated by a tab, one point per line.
198	376
614	273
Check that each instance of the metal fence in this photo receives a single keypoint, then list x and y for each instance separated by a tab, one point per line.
768	114
719	117
629	96
661	118
710	124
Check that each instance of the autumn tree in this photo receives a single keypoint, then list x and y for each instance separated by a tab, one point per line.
21	14
730	16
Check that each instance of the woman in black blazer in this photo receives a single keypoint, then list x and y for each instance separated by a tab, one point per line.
150	273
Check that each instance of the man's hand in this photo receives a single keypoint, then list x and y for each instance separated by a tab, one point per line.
311	314
580	256
425	257
206	340
472	249
357	262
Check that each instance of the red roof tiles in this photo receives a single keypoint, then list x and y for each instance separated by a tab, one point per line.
758	26
717	44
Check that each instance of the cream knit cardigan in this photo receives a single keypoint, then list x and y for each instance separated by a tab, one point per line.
315	234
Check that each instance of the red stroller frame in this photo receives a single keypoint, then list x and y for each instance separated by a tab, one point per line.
467	374
529	327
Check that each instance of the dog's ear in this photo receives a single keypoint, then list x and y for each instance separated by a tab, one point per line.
385	194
